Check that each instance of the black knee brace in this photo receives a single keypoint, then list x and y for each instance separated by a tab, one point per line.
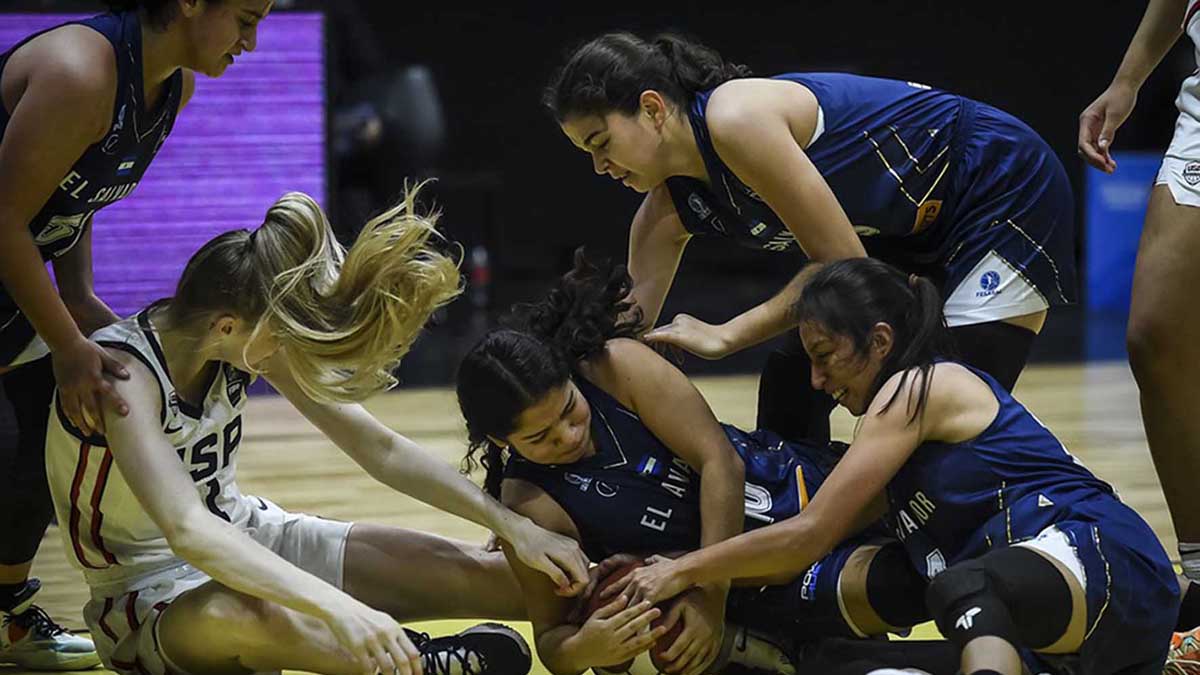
966	606
894	589
1012	593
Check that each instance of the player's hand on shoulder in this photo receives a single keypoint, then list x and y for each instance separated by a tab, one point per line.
706	340
83	390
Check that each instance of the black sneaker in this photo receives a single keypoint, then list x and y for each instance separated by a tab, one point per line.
486	649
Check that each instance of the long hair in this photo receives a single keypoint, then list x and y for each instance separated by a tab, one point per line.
510	369
848	297
345	318
610	72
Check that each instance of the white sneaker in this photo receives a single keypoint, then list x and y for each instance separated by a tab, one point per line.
31	639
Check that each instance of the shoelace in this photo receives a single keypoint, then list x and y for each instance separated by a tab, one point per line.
441	663
1181	667
37	621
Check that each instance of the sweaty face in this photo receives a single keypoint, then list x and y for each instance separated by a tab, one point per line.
217	34
626	148
839	369
556	429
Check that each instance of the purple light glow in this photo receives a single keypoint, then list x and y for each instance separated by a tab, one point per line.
244	140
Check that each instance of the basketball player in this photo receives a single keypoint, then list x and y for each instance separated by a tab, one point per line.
1162	325
86	106
608	442
1031	558
839	166
187	574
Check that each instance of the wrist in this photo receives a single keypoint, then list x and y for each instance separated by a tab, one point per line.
1127	82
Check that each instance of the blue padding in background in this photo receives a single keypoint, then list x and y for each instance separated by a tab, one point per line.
1114	207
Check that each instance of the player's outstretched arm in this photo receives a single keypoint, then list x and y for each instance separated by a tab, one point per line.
657	239
886	439
1098	123
169	496
401	464
758	128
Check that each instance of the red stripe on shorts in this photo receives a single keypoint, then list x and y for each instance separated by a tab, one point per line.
104	627
80	471
97	514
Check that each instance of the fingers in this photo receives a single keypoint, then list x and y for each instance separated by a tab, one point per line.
112	366
635	620
382	661
611	609
405	654
550	568
618	586
575	565
1090	140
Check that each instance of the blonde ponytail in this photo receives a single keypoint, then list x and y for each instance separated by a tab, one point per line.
346	318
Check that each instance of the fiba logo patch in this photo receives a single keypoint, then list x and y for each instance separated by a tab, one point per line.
988	282
697	204
1191	173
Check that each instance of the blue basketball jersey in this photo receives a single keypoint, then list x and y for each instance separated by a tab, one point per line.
888	149
108	170
955	501
636	496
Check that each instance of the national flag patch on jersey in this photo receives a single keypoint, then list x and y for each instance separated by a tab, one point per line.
650	466
126	165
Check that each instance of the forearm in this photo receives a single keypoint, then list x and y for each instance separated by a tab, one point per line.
25	278
233	559
786	548
90	313
1159	29
722	502
410	469
771	318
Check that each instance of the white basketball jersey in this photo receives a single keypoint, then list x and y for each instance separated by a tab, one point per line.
105	531
1186	142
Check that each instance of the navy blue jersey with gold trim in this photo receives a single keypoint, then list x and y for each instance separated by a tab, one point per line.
636	496
108	170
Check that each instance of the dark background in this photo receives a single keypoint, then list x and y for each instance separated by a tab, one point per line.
511	182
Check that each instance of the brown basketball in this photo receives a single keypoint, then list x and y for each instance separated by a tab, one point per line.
664	642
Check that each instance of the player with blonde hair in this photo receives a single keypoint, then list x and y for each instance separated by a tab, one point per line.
187	574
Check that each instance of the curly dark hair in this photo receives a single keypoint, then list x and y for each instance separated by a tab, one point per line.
512	368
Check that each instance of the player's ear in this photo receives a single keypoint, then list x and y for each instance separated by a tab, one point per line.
654	106
191	8
223	324
498	442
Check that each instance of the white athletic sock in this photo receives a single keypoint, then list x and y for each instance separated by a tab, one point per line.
747	649
1189	555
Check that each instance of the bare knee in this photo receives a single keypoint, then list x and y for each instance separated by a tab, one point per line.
1152	340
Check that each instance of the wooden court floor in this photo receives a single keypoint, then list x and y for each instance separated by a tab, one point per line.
1093	408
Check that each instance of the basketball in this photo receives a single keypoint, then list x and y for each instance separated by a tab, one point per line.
639	665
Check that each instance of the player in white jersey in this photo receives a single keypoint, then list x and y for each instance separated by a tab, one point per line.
1163	323
187	574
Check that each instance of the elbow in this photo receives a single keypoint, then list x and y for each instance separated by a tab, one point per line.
192	539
